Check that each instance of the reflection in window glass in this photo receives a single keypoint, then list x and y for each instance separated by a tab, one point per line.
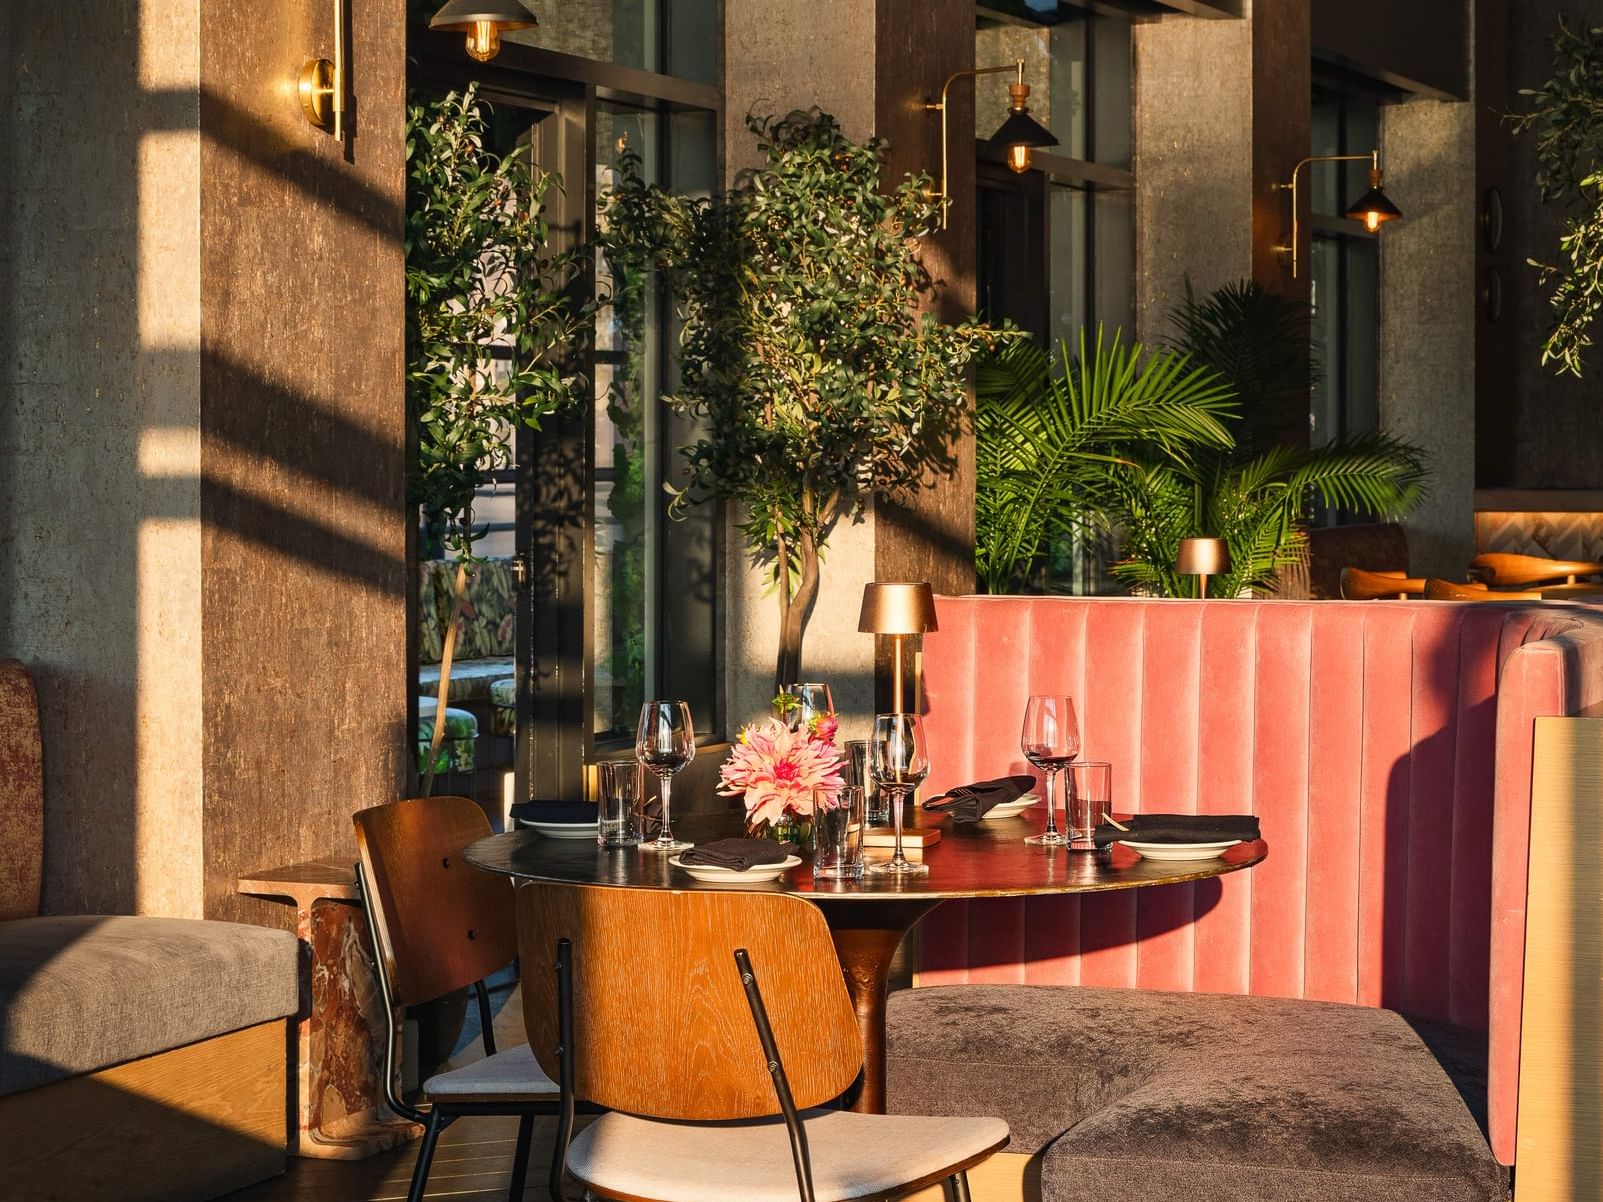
669	37
652	620
1078	67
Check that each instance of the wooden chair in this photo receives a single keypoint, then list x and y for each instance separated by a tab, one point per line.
1358	584
707	1024
440	925
1446	590
1502	570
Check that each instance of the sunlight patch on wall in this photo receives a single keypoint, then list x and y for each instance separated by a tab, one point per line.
169	240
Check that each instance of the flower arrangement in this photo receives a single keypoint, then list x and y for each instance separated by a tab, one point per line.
775	769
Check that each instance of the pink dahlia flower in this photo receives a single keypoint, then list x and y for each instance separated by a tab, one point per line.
776	770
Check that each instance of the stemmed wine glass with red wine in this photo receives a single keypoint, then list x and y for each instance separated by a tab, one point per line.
1051	740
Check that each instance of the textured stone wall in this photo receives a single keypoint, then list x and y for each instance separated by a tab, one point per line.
201	440
99	438
1427	303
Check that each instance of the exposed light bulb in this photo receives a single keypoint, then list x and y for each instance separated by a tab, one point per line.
484	40
1018	159
1371	221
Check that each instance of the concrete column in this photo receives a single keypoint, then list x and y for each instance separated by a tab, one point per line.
202	437
782	55
1221	117
1428	304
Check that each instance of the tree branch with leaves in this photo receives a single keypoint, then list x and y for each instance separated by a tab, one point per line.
493	320
805	358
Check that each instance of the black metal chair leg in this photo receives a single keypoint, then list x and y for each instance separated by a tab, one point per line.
425	1155
520	1159
958	1191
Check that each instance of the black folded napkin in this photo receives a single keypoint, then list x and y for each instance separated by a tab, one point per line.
970	803
737	854
1180	828
568	813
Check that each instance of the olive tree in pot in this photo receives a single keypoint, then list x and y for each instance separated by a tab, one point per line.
493	318
805	358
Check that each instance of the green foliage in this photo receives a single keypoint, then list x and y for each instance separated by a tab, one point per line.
1566	116
479	275
1050	432
805	356
1257	495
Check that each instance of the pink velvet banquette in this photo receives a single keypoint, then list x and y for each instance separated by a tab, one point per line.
1386	746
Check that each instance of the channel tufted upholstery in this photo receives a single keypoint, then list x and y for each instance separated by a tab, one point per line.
1386	746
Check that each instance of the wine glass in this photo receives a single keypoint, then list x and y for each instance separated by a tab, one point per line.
899	763
1051	738
812	701
665	743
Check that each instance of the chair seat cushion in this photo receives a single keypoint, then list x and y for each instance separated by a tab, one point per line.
511	1073
1139	1094
853	1155
79	994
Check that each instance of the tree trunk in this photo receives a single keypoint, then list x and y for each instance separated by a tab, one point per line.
445	675
794	612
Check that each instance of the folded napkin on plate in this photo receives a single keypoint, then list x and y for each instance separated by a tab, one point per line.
1180	828
737	854
970	803
566	813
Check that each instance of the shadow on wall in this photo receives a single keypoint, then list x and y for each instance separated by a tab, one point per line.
113	501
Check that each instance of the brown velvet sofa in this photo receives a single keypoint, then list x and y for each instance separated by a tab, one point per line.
140	1057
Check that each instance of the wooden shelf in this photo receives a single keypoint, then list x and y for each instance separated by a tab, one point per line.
1538	500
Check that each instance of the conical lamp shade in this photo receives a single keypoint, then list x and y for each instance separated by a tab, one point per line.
460	16
1373	208
1021	129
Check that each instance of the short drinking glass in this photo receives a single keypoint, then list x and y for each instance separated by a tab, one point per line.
899	763
619	784
838	833
665	743
1090	798
1050	739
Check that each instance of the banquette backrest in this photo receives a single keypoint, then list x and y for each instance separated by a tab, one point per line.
1385	746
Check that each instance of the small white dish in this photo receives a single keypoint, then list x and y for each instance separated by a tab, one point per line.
1173	852
1009	809
756	873
562	830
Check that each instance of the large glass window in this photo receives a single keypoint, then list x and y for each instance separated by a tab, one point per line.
667	37
1345	276
1057	243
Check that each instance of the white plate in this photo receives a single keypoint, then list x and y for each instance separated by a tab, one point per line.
1180	851
1009	808
758	872
562	830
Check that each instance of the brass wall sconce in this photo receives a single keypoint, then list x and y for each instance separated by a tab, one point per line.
1019	134
483	21
1372	208
322	83
1203	557
898	609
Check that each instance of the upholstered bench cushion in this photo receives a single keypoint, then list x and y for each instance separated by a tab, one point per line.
81	994
471	679
1141	1094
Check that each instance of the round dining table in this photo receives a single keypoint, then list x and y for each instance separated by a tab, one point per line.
869	917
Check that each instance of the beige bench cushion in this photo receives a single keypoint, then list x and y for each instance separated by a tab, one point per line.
78	994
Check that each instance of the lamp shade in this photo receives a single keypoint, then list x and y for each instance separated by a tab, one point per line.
1373	208
1021	129
897	607
1203	557
460	16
